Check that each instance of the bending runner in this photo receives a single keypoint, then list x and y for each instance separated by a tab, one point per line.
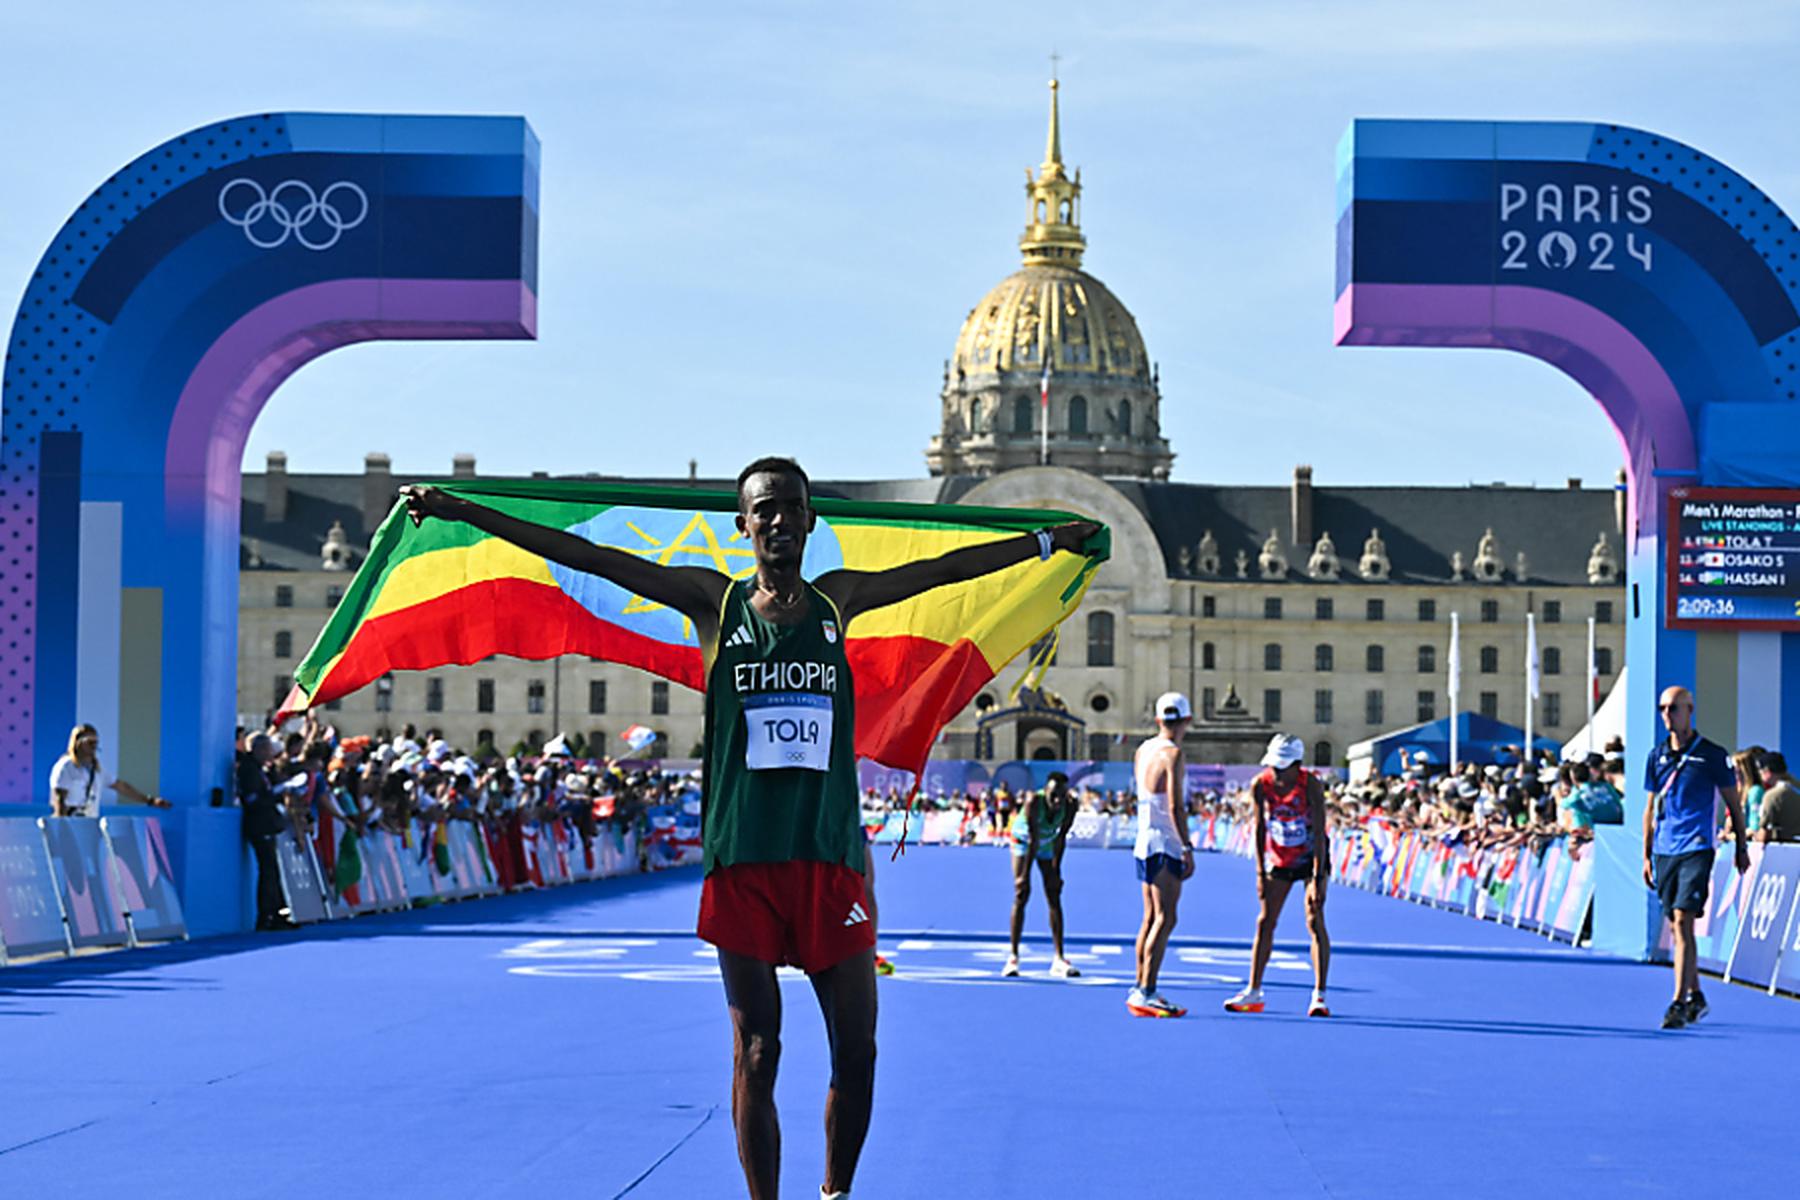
1040	830
1293	846
781	826
1164	857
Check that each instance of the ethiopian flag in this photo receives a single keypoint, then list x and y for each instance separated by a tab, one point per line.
445	592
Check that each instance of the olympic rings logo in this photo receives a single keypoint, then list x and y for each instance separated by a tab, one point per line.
316	220
1766	906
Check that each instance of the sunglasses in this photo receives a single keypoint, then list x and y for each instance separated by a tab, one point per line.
1671	707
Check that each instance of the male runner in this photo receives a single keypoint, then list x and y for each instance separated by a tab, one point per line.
1293	846
1040	831
1681	775
1164	857
781	827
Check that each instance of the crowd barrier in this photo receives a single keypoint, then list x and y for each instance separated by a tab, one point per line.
73	883
1750	932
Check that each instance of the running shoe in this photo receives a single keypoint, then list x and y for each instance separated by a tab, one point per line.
1153	1005
1696	1006
1250	1000
883	966
1134	999
1011	969
1062	968
1675	1016
1317	1008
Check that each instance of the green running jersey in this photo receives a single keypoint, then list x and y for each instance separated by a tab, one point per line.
780	739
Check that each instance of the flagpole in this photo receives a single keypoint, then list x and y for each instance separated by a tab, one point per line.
1455	684
1531	687
1593	685
1044	412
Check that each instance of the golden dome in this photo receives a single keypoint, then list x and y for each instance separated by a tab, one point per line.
1050	310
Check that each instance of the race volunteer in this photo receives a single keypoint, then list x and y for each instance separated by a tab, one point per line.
1681	775
784	850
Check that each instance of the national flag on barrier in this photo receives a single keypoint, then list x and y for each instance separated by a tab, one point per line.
445	592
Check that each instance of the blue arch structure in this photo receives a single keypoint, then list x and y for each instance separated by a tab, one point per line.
1665	284
173	302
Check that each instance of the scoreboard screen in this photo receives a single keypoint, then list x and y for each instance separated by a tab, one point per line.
1734	559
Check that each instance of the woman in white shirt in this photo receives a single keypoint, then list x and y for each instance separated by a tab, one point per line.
78	778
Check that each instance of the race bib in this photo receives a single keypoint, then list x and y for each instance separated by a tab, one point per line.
1288	832
787	729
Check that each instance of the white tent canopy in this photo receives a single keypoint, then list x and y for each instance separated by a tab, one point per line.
1609	722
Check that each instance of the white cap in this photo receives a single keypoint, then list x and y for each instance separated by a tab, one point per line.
1284	751
1173	706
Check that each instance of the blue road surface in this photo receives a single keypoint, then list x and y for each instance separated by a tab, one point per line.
575	1043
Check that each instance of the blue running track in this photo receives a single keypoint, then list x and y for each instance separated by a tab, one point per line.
574	1043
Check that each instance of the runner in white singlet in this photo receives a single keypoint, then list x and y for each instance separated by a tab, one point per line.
1164	857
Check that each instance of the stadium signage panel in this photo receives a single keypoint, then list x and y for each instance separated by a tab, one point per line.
1734	559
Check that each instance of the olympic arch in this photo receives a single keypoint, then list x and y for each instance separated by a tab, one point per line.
165	312
1666	285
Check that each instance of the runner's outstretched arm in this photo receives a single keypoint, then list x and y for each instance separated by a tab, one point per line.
694	592
856	592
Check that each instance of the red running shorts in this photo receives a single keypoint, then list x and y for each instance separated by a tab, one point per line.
810	915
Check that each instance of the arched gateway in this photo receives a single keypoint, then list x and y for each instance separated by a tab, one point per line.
1666	285
180	294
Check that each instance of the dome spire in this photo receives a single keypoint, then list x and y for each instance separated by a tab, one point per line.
1053	215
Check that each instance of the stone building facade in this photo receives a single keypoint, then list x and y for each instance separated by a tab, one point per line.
1320	611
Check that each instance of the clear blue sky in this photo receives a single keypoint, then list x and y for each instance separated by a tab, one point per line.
764	223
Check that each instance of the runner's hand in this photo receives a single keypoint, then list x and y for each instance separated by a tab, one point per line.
1649	878
1187	862
1261	879
1072	535
423	501
1743	856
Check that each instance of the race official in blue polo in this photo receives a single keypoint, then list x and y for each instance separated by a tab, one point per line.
1682	775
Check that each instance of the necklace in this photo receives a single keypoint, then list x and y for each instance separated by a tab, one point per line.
781	600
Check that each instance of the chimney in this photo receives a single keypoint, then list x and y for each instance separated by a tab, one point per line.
462	466
1303	507
275	487
378	490
1574	483
693	471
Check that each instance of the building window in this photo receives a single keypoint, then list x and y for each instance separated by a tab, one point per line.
1375	659
1490	660
384	694
1322	754
1272	656
1553	612
1377	610
1100	639
484	738
1322	658
1125	417
534	698
1322	706
1078	415
1603	660
1208	656
284	644
1490	705
1428	610
434	694
1490	612
596	743
334	705
596	695
1374	706
1101	702
1209	699
1208	607
1427	708
1021	414
1552	710
1427	660
659	697
1603	612
484	695
1322	608
1272	705
283	685
1552	661
284	596
1271	608
334	595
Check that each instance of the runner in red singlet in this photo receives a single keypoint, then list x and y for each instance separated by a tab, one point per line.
1293	846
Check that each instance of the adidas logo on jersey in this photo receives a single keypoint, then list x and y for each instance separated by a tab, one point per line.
740	637
857	915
